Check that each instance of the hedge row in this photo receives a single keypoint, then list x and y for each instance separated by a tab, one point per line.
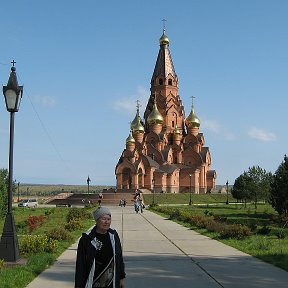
237	231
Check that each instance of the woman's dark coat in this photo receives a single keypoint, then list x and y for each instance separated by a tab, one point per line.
86	254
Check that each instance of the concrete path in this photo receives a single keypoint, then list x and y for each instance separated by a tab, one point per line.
160	253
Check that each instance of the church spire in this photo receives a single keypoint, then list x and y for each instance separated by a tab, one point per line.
164	85
164	65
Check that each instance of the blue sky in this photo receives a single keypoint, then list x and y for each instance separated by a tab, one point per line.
84	64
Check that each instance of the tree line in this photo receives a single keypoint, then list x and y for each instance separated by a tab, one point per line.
257	184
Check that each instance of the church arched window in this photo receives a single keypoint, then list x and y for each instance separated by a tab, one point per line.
170	82
160	81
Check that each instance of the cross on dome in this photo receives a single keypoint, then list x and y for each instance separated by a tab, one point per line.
138	105
192	97
164	24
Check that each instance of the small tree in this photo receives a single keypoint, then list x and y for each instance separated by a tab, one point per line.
241	187
279	188
252	185
259	184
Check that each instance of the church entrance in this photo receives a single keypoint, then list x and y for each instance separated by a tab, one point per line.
127	179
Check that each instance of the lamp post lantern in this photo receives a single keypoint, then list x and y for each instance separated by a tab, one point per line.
227	201
88	182
9	250
190	201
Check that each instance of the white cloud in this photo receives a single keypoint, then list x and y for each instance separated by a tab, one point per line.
261	135
215	127
46	101
128	104
212	125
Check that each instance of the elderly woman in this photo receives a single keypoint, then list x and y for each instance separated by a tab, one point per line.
99	255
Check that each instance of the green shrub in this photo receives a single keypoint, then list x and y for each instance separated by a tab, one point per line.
51	246
208	213
77	213
200	221
174	214
49	212
265	230
219	218
236	231
59	233
214	226
280	233
162	209
21	227
184	216
252	226
154	205
74	224
275	218
32	244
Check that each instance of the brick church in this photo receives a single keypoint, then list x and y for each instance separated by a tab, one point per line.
165	151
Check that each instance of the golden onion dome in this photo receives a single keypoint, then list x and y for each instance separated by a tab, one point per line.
177	131
192	120
164	40
155	116
130	138
138	127
134	122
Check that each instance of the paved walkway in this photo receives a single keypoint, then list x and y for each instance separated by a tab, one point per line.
160	253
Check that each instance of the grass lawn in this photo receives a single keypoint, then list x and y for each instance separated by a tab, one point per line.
184	198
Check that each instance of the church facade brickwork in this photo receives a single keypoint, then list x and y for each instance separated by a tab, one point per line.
164	151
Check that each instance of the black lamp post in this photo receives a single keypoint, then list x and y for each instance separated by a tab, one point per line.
227	201
190	201
9	250
88	182
153	183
